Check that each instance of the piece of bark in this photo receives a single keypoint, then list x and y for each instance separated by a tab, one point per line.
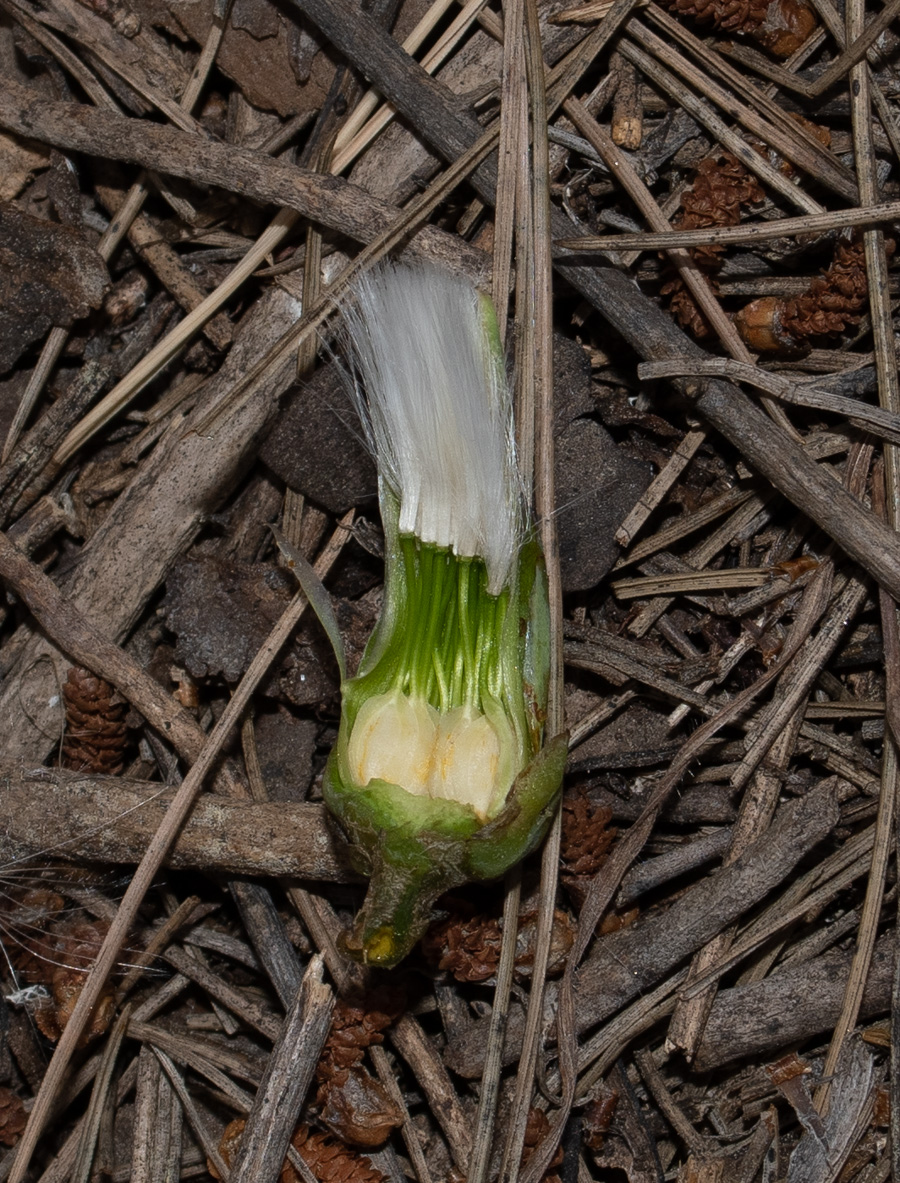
53	813
152	522
596	486
49	276
316	444
790	1006
633	960
285	743
221	612
257	52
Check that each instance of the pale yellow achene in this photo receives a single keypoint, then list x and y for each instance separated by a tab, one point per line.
455	756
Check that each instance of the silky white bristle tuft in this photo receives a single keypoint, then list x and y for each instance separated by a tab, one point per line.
438	411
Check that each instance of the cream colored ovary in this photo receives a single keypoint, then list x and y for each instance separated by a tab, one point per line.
453	756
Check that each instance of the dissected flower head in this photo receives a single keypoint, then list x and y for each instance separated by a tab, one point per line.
438	775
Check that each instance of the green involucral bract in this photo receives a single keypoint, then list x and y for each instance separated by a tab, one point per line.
438	776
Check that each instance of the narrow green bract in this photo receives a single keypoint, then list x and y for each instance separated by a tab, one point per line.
438	775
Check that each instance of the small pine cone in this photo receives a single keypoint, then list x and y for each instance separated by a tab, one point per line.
685	310
586	835
468	948
722	185
834	300
96	735
720	188
356	1025
12	1117
329	1161
586	839
781	26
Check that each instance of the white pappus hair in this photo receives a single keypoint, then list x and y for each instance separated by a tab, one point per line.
438	411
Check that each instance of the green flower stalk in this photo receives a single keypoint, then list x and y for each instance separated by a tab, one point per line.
439	775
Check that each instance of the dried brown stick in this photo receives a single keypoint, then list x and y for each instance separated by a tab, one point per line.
865	215
658	489
540	275
289	1072
594	658
157	1119
878	420
760	1018
189	1110
100	1096
52	813
699	1145
30	455
517	205
422	1056
663	539
324	199
604	887
802	898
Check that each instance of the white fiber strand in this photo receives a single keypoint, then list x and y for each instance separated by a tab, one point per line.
439	412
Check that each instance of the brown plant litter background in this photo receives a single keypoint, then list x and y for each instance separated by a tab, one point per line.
686	214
